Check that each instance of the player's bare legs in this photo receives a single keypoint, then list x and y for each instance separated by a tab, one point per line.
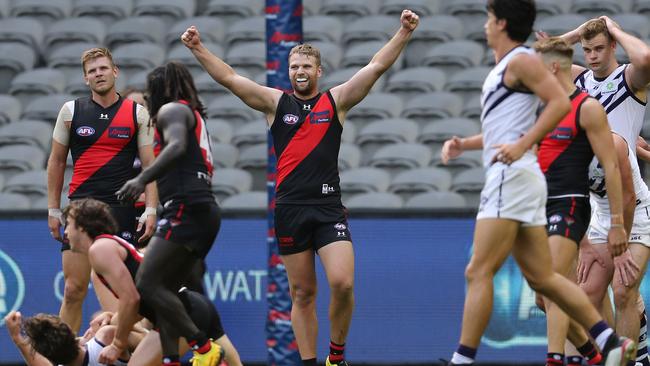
301	273
76	273
625	297
338	261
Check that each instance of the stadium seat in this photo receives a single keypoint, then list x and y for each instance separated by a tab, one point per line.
246	30
340	76
383	132
231	109
436	133
168	10
137	80
135	29
364	180
436	200
230	11
21	158
349	133
27	31
421	7
251	133
331	55
469	159
67	59
470	11
46	11
559	24
454	56
4	8
349	9
181	54
134	57
209	89
396	158
255	160
472	108
32	184
14	201
15	59
468	82
46	108
488	58
414	81
641	7
228	182
212	30
224	155
27	132
220	131
376	106
36	83
420	180
547	8
349	157
431	31
106	11
433	105
10	109
360	54
71	30
374	200
469	183
595	8
635	24
475	31
41	203
248	56
323	28
254	200
378	28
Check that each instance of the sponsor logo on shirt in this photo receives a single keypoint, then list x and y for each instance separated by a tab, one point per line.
319	117
562	133
85	131
119	132
290	119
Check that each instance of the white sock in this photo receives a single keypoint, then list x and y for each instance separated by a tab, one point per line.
602	338
459	359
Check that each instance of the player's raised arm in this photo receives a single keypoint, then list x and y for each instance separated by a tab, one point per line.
261	98
348	94
638	73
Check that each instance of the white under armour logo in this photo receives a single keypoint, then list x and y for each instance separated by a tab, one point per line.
306	107
103	116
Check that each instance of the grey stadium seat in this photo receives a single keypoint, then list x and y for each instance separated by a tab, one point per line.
469	159
472	108
13	201
436	133
230	11
135	29
378	28
27	31
376	106
324	28
232	109
415	181
635	24
32	184
134	57
212	30
181	54
220	131
349	133
474	31
454	55
360	54
67	59
436	200
594	8
560	24
464	7
249	56
331	55
41	203
4	8
209	89
21	158
228	182
169	10
36	83
257	200
468	82
46	11
137	80
310	7
340	76
224	155
389	131
546	8
374	200
401	156
641	7
420	7
46	108
433	105
255	160
35	133
349	9
246	30
415	81
363	180
251	133
15	59
349	157
71	30
106	11
469	183
10	109
431	31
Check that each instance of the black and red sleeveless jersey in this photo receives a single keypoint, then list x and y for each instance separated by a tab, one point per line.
307	138
103	144
565	153
131	261
190	179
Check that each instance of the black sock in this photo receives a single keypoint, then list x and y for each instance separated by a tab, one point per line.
309	362
336	352
589	351
199	342
554	359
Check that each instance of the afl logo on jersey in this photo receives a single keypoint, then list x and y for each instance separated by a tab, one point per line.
290	119
85	131
12	286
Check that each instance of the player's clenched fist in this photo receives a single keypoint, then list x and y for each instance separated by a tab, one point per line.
191	37
409	20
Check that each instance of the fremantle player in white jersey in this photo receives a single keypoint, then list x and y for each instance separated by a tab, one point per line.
512	215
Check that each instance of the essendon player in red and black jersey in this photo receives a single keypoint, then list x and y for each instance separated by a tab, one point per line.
190	219
564	156
309	217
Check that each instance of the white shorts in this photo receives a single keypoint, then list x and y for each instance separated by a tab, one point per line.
514	193
599	226
93	349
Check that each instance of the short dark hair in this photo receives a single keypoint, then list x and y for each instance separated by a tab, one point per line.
518	14
52	338
94	217
169	83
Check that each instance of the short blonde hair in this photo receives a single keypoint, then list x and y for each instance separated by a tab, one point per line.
306	49
554	45
94	53
593	28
